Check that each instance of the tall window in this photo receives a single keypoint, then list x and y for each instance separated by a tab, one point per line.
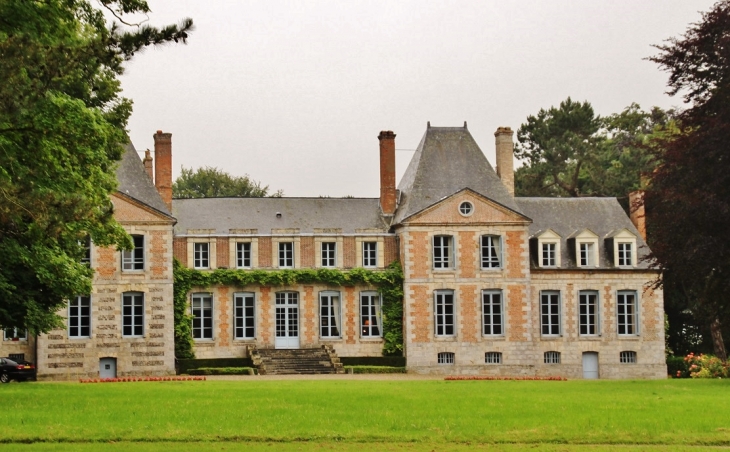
244	313
329	254
79	317
202	307
550	313
548	254
587	254
243	255
627	314
551	358
625	258
492	312
134	259
369	254
286	254
444	312
370	314
443	251
329	314
15	334
133	314
588	312
86	244
201	257
491	251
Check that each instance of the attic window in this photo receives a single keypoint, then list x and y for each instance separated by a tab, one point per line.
466	208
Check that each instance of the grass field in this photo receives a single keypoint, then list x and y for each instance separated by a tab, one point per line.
366	415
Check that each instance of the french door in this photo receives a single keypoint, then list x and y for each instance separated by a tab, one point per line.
287	320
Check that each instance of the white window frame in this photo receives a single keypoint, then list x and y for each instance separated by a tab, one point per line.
328	253
586	254
371	314
134	260
244	254
466	208
446	358
548	254
244	315
628	357
490	252
493	358
443	252
201	255
627	313
330	315
624	254
204	331
133	314
589	313
551	357
444	313
18	334
370	254
285	256
547	241
492	313
86	245
550	321
79	317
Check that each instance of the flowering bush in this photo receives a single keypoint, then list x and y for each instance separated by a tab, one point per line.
135	379
474	377
704	366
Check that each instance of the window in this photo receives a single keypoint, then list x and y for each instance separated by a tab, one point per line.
286	254
133	314
550	313
587	254
369	254
244	316
627	357
444	312
625	255
492	313
493	358
79	317
626	310
86	244
329	314
588	312
134	259
243	255
201	255
552	357
15	334
370	314
442	254
466	208
446	358
548	254
328	254
491	251
202	306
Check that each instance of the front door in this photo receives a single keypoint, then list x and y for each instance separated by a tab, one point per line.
590	365
108	368
287	320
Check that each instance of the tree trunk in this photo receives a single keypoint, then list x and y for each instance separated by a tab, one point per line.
717	341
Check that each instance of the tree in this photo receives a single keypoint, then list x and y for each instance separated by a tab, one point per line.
62	123
214	183
688	200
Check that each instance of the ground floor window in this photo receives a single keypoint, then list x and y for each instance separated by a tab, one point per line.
492	313
493	358
244	308
370	314
329	314
552	357
133	314
628	357
444	312
15	334
550	313
446	358
202	310
79	317
626	313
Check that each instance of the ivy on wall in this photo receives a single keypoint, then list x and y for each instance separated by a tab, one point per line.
389	283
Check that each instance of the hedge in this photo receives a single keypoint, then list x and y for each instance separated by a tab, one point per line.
223	371
375	370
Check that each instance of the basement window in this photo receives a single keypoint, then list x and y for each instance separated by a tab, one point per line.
446	358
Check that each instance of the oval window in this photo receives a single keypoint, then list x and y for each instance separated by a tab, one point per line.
466	208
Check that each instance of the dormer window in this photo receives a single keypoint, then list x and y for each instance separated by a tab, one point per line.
548	254
625	253
548	249
585	245
621	245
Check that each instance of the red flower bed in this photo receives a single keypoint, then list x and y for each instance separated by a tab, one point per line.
135	379
478	377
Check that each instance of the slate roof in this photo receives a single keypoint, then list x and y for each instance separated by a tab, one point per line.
566	216
134	181
448	160
305	214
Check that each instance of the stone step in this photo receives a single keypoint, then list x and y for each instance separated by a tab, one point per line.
297	361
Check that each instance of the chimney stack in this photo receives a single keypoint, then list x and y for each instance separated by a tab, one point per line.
637	212
505	158
147	160
163	166
387	172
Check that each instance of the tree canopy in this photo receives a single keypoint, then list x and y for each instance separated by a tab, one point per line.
209	182
688	200
62	126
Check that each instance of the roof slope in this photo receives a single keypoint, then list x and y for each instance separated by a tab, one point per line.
305	214
566	216
448	160
134	181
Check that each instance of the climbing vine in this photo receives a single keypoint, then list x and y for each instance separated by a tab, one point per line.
389	283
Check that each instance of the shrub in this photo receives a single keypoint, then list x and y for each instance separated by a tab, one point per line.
222	371
705	366
376	369
677	367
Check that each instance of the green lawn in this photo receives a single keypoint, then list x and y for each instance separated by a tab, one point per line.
366	415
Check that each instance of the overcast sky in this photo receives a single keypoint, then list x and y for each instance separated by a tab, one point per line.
294	93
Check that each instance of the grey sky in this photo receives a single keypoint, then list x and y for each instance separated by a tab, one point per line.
295	93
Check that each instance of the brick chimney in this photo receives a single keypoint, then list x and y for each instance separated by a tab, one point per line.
387	172
163	166
147	160
505	158
637	212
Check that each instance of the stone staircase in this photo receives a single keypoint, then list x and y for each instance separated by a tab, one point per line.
271	361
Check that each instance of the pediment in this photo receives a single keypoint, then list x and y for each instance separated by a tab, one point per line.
128	210
622	233
583	234
547	234
483	210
